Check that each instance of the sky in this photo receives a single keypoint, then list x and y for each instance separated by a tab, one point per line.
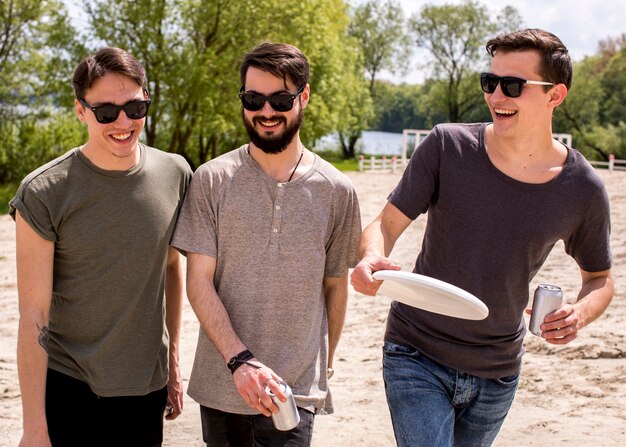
580	24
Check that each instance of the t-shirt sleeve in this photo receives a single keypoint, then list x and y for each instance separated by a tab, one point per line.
33	210
196	227
343	244
418	186
589	243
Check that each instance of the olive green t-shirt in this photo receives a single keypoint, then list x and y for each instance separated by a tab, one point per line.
111	231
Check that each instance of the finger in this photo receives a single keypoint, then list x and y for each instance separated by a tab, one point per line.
275	388
561	341
265	404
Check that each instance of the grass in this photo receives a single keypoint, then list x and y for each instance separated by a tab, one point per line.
336	159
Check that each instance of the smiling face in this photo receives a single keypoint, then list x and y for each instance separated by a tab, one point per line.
112	146
269	130
532	110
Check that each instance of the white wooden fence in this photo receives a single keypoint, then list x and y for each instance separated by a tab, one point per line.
613	164
415	137
379	164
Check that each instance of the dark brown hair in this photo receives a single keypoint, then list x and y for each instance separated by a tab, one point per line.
555	66
107	60
280	59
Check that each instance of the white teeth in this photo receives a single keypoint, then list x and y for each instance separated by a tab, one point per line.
270	123
505	112
121	136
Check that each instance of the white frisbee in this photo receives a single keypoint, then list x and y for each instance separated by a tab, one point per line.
430	294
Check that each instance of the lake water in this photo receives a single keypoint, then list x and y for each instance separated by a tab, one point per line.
372	142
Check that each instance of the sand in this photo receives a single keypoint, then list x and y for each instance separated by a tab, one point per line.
573	394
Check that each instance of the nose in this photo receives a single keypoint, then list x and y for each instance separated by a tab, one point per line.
267	108
497	94
123	119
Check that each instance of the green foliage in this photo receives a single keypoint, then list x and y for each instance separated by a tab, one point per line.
455	36
36	45
594	111
31	141
379	29
613	82
7	192
192	50
378	40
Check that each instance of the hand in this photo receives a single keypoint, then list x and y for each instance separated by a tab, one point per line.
561	326
174	406
361	277
251	383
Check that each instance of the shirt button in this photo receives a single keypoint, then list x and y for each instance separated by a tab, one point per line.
280	185
275	230
277	207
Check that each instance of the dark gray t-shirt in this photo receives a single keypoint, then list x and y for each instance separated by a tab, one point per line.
489	234
111	232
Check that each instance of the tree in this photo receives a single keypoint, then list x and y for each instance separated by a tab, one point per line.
37	48
379	29
192	50
455	36
594	111
378	32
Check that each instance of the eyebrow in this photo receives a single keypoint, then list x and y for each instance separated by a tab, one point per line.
98	104
277	92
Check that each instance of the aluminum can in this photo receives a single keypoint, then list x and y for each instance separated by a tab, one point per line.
547	299
287	417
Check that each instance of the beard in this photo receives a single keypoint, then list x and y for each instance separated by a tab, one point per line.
273	144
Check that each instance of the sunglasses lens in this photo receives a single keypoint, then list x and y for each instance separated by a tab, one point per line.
281	103
107	114
252	101
489	82
136	110
512	87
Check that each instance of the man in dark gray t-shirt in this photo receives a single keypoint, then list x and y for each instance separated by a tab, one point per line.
498	196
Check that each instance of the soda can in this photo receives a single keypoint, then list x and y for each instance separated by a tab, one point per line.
287	417
547	299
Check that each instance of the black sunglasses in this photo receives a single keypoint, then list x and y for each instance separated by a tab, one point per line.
281	102
510	85
107	113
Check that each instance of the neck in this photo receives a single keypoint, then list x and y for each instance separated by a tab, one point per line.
112	162
284	166
533	159
531	144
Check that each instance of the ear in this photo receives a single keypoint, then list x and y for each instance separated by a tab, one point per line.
305	96
80	110
557	95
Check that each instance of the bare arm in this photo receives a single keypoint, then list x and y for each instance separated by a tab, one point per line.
173	317
35	261
215	322
336	294
377	241
596	293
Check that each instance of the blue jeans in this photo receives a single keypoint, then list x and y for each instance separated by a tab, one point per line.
432	405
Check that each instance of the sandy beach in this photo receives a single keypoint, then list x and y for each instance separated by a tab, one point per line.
573	394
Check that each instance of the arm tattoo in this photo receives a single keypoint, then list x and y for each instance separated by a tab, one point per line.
44	337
